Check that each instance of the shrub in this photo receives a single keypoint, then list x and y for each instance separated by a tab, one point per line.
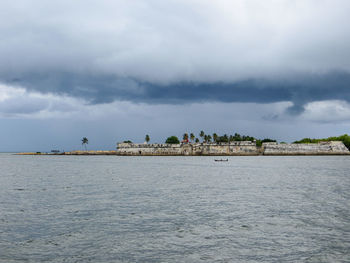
258	143
343	138
172	140
268	140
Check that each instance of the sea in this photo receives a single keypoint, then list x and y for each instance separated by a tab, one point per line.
174	209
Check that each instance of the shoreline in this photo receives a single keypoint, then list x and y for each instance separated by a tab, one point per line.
241	148
114	153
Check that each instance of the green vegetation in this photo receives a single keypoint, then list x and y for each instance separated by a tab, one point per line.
260	142
215	137
343	138
192	137
223	138
172	140
237	137
206	138
229	138
201	134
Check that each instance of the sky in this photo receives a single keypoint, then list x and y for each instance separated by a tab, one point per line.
118	70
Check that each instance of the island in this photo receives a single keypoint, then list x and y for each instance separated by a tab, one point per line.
233	145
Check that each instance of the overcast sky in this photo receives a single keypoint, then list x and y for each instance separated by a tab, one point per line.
117	70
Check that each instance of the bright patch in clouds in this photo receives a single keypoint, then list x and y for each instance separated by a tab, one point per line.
327	111
17	102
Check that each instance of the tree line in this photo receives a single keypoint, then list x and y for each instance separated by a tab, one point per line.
208	138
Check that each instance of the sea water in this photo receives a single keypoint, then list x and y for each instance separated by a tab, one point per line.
174	209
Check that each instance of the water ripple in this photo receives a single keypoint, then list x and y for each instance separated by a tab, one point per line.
174	209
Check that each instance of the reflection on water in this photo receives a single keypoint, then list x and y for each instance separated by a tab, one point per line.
174	209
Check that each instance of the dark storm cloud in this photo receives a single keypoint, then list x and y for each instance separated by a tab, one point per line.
178	51
106	88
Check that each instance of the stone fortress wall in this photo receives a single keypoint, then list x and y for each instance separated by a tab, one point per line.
238	148
234	148
321	148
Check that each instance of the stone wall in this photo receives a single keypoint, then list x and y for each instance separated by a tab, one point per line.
149	149
233	148
322	148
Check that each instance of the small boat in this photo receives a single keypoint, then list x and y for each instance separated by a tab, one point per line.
221	160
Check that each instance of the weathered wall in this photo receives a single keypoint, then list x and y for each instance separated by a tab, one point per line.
149	149
322	148
234	148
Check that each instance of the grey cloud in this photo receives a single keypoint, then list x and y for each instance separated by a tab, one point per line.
22	106
15	101
179	51
299	89
124	120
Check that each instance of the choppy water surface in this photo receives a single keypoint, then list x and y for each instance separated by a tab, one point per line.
174	209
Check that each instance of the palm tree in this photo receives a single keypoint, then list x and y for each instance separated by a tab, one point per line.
209	138
84	142
205	138
215	137
197	140
192	137
147	138
201	134
185	136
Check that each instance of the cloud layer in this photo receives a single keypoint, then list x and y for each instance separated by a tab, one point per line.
179	51
16	102
32	121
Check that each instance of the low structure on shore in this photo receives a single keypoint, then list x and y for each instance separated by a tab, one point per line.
233	148
91	153
236	148
321	148
71	153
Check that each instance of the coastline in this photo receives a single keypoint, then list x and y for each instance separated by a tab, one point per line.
99	152
243	148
